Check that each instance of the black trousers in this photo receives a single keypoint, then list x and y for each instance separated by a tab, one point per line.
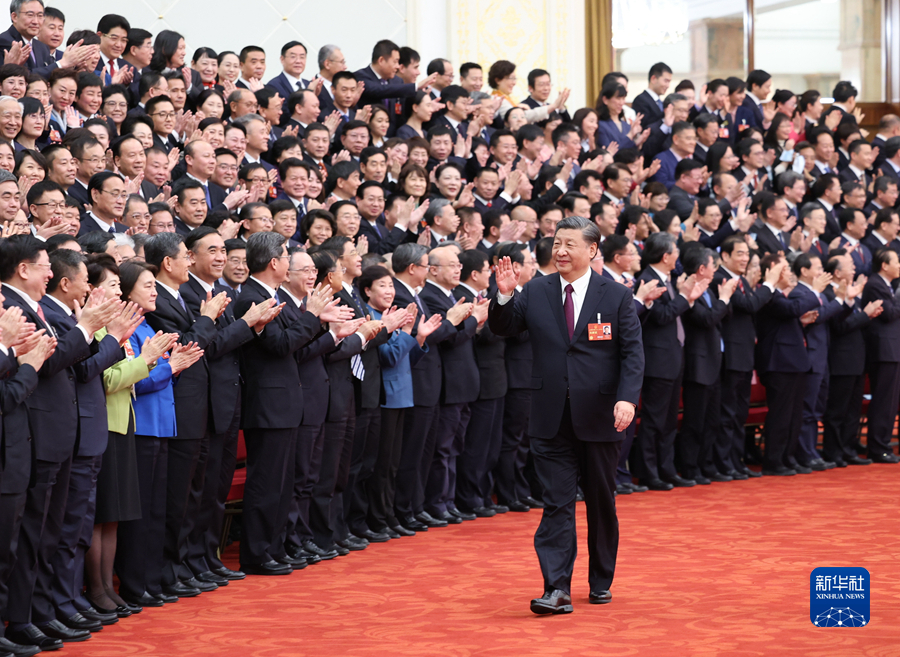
75	538
784	396
560	462
655	440
437	484
842	413
699	428
307	462
367	435
728	450
509	474
480	453
623	474
418	438
380	486
12	510
884	382
213	489
139	551
184	461
270	468
334	469
30	583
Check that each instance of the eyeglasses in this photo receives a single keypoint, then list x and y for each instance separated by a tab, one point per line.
114	104
31	15
167	226
164	115
227	167
42	265
115	38
92	160
457	266
304	270
52	206
237	262
139	215
114	194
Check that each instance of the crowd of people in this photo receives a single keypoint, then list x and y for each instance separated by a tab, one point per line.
189	252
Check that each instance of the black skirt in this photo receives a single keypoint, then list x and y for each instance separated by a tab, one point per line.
118	493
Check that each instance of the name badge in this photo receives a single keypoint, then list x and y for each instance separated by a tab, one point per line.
398	108
599	332
723	132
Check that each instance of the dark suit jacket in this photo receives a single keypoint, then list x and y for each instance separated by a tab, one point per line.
43	63
93	427
88	225
846	117
645	105
703	340
639	308
889	171
222	354
280	84
79	192
862	257
681	202
817	336
781	345
16	456
874	244
657	142
594	375
768	243
53	406
738	330
120	63
368	391
192	385
490	354
846	353
461	379
662	352
338	363
882	334
272	395
666	173
381	240
753	112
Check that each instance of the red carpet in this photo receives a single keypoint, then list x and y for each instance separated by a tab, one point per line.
713	570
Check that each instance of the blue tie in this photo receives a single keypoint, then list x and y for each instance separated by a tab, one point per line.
659	104
708	301
208	200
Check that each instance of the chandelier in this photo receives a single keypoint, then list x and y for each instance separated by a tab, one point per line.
648	22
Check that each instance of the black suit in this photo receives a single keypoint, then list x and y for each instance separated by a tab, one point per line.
681	202
381	240
577	384
882	336
875	245
644	104
218	446
832	227
388	93
191	417
42	63
768	243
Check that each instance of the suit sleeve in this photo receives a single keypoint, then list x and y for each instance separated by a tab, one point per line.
702	315
508	320
631	353
108	353
793	306
16	389
666	312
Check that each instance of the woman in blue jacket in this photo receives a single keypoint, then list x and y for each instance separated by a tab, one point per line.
612	126
139	557
397	356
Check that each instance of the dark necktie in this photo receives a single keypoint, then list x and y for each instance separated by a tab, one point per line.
378	230
659	104
420	305
679	327
299	85
208	199
569	310
781	239
112	229
181	303
277	300
359	304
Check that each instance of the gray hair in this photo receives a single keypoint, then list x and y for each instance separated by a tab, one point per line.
6	176
325	53
588	228
435	209
261	249
16	5
235	96
162	246
124	240
4	99
407	254
248	118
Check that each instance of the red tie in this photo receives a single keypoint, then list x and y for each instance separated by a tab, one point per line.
741	285
488	204
40	312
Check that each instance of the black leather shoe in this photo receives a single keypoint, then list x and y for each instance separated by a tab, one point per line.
737	476
552	602
103	619
324	555
600	597
56	630
533	503
353	544
859	448
839	463
700	480
718	476
373	537
7	647
211	578
658	484
165	598
499	508
267	568
181	590
638	488
622	489
390	533
134	609
229	574
123	611
753	474
412	524
803	469
203	587
579	496
146	600
828	465
297	563
339	549
816	466
518	507
858	460
78	622
403	531
462	515
681	482
450	519
309	557
483	512
429	521
887	457
780	471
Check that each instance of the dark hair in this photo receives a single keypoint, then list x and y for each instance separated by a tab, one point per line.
40	188
161	246
368	276
96	241
610	90
695	257
39	159
164	47
97	181
880	258
883	216
612	246
64	264
136	38
472	260
110	21
844	91
658	69
806	99
466	67
543	251
384	48
262	248
588	228
98	266
757	78
499	70
203	51
130	272
656	247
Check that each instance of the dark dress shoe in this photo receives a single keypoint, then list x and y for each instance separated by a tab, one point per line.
429	521
146	600
887	457
210	577
373	537
483	512
737	476
203	587
552	602
165	598
229	574
56	630
518	507
134	609
7	647
533	503
122	611
816	466
354	544
859	448
681	482
402	531
390	533
753	474
450	519
78	622
718	476
462	515
499	508
339	549
637	488
412	524
803	469
324	555
297	563
600	597
103	619
658	484
780	471
579	497
858	460
700	480
622	489
839	463
267	568
181	590
310	558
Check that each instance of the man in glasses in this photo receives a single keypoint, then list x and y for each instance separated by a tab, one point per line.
108	193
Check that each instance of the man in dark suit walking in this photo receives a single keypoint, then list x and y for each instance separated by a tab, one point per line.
587	380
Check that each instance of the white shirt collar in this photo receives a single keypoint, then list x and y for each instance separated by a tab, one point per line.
105	226
290	296
775	231
894	166
441	288
64	307
206	286
652	94
27	297
293	80
828	206
823	166
168	289
859	172
618	278
471	289
729	272
412	291
850	240
268	289
193	177
222	281
874	232
664	277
